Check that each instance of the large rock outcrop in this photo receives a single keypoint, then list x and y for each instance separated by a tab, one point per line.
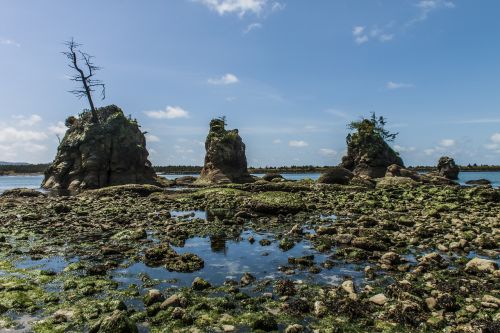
447	168
94	155
367	152
225	160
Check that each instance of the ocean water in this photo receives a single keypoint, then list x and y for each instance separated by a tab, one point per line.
34	181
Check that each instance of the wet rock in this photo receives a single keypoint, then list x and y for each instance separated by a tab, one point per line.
368	244
395	170
200	284
295	328
285	288
225	160
319	309
379	299
172	301
246	279
481	181
479	265
433	260
265	322
337	175
277	202
153	296
396	182
228	328
93	155
178	313
348	287
23	192
62	316
185	180
164	255
272	177
389	260
117	322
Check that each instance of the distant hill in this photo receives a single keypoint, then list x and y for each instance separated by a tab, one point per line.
13	163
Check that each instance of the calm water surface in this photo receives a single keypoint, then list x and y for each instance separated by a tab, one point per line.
34	181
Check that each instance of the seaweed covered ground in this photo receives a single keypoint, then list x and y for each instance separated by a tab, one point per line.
288	257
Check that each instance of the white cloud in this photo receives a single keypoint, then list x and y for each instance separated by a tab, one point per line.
277	141
27	121
362	36
11	134
386	37
447	143
170	112
298	143
328	152
240	7
58	129
224	80
251	27
152	138
398	85
358	30
6	41
494	143
402	149
428	6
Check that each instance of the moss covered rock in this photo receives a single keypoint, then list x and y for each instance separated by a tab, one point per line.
225	160
94	155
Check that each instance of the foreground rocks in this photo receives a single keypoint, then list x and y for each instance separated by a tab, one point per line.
398	258
94	155
225	159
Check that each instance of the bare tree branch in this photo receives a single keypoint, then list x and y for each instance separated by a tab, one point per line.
74	55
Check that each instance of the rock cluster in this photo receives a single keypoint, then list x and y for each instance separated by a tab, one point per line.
94	155
367	152
225	160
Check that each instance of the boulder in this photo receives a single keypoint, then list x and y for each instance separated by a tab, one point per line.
395	170
447	168
481	181
117	322
396	181
272	177
367	152
94	155
479	265
337	175
225	160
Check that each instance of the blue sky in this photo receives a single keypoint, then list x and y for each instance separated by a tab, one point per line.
289	74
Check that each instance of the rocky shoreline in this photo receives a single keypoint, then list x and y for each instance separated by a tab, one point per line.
402	258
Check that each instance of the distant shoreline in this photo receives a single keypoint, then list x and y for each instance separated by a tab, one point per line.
36	170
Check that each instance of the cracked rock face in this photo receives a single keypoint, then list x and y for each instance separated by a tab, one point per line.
94	155
225	160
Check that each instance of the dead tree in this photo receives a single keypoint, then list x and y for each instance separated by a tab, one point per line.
75	57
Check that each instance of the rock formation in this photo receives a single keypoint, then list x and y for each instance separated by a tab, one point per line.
225	160
367	152
94	155
447	168
336	175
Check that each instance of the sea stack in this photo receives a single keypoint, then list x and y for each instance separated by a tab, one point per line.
447	168
367	152
225	160
111	151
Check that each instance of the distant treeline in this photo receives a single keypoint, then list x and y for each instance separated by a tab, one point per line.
194	169
12	169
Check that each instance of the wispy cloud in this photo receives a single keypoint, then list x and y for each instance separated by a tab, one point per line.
477	121
403	149
170	112
58	129
276	141
328	152
428	6
11	134
226	79
338	113
252	27
27	121
447	143
6	41
398	85
298	143
443	146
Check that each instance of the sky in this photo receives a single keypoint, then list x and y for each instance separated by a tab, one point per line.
289	74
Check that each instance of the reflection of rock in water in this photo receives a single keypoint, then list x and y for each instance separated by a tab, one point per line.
218	243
